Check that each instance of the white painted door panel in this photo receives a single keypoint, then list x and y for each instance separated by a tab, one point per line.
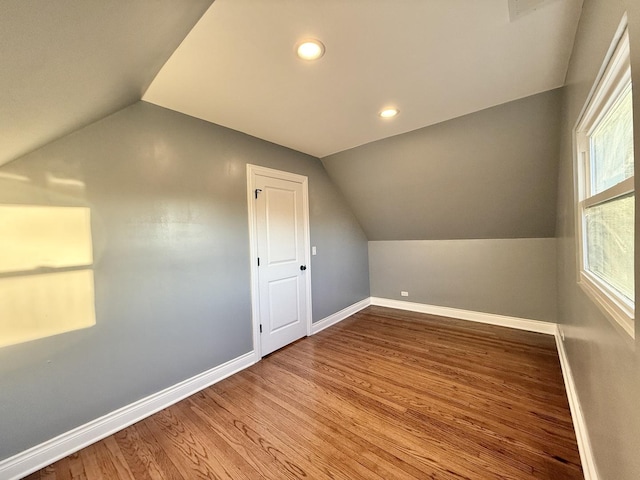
281	239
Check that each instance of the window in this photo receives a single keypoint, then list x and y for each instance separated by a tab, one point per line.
605	193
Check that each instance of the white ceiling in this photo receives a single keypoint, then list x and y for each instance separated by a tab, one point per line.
433	59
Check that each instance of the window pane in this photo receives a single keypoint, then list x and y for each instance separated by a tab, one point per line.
610	243
612	145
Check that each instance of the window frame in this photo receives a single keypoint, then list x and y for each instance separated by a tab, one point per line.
613	81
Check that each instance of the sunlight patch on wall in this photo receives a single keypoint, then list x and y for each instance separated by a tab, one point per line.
41	236
46	274
41	305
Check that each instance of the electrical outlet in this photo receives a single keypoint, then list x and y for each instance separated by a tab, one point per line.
404	294
313	250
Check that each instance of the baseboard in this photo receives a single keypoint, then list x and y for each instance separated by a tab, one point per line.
35	458
70	442
339	316
537	326
584	445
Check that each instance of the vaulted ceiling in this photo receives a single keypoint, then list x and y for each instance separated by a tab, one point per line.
66	64
433	59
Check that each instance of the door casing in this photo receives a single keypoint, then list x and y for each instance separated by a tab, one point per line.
252	171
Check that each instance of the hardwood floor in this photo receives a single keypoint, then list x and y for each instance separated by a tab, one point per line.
385	394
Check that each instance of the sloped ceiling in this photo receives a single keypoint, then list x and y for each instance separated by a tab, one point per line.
489	174
433	59
66	63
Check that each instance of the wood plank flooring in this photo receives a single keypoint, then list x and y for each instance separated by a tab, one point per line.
385	394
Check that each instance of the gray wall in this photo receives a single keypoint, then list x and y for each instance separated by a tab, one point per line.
605	364
478	196
514	277
490	174
167	195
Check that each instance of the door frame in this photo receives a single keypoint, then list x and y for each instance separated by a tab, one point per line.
252	171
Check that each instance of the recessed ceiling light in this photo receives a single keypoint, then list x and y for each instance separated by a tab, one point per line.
389	112
310	49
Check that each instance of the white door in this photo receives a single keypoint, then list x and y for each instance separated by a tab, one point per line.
281	246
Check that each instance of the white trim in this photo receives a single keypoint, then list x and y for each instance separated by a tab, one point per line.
339	316
621	189
622	27
252	171
537	326
29	461
613	79
40	456
584	445
619	313
253	255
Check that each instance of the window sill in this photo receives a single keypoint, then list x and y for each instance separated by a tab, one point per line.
620	316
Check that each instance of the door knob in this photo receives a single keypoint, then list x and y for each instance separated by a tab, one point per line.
303	267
